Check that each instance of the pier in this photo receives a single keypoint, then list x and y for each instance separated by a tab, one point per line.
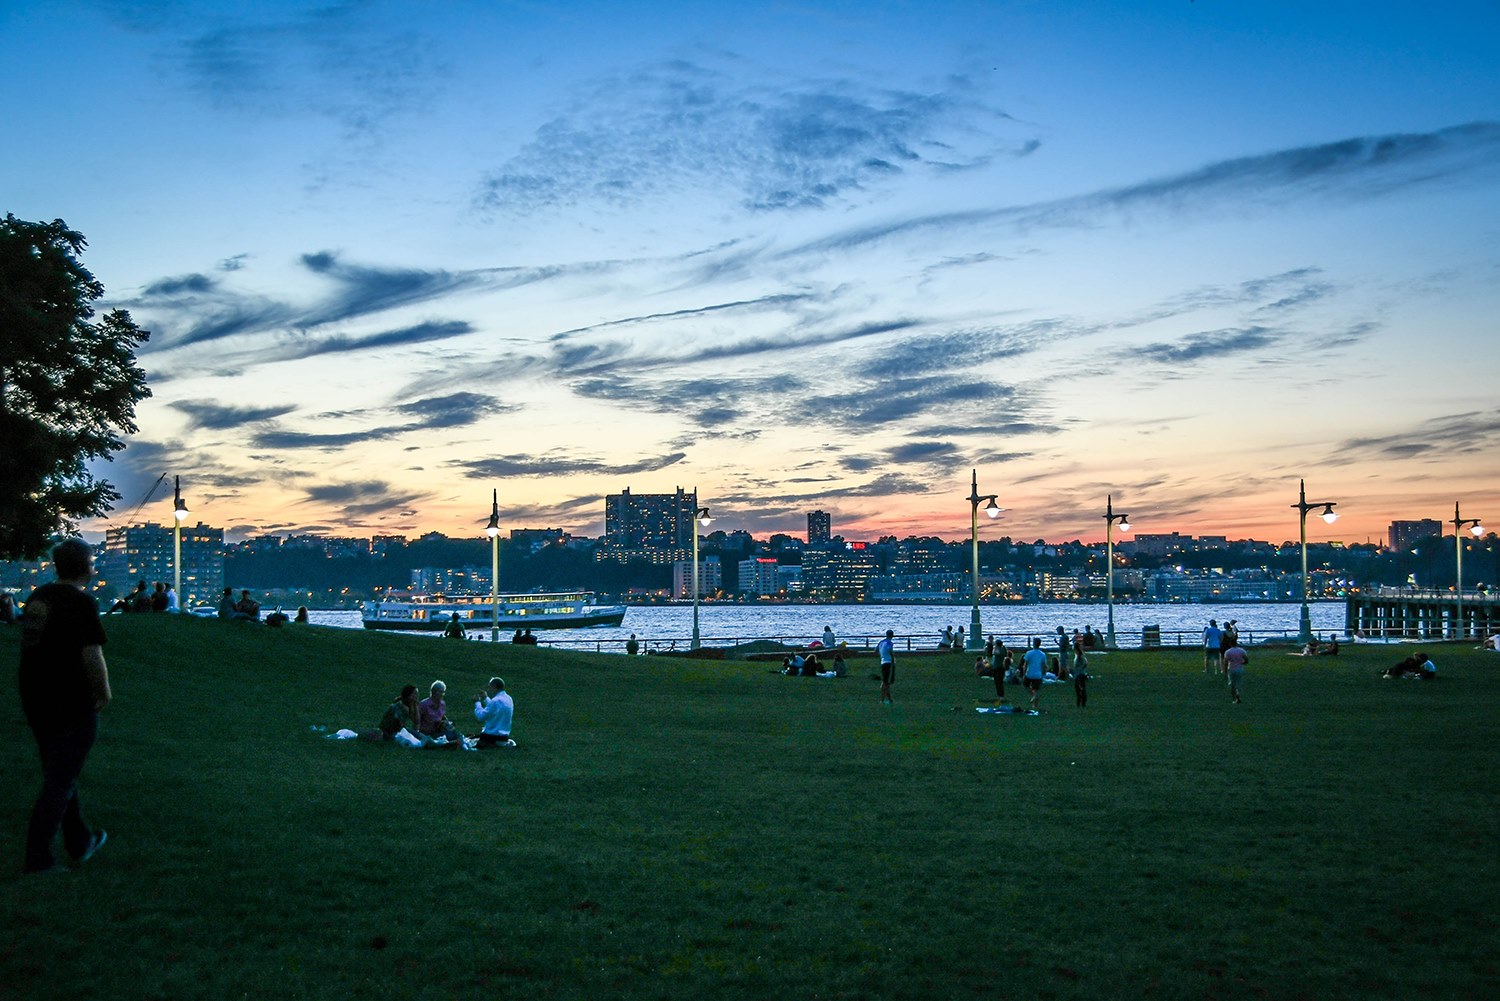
1410	613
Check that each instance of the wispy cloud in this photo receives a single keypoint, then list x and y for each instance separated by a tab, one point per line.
1205	345
1473	433
1356	168
559	464
803	144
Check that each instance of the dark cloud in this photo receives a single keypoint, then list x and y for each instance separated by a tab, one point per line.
452	411
277	438
556	464
927	453
805	144
234	263
1206	345
194	283
362	498
218	416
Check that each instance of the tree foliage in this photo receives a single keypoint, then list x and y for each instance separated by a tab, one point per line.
68	385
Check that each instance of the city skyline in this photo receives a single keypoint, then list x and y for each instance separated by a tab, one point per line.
796	259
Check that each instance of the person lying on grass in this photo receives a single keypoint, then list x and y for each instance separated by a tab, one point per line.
494	709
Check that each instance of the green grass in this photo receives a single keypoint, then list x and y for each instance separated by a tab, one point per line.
671	829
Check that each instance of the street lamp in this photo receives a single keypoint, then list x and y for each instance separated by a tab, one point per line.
700	517
493	531
1110	518
1303	505
179	515
1459	523
976	628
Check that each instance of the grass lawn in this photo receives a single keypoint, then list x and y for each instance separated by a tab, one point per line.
672	829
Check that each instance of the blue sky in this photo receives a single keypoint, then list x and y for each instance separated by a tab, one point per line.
799	256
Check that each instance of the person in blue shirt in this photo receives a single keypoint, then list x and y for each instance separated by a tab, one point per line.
1034	670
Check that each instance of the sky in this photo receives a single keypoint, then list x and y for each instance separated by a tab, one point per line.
797	256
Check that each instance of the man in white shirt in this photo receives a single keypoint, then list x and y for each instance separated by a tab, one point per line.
886	648
495	709
1034	664
1213	636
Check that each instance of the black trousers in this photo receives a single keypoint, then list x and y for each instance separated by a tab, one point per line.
63	751
1081	689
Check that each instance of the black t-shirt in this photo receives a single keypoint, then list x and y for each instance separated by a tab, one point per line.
60	621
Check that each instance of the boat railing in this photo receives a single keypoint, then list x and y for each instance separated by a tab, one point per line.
1147	638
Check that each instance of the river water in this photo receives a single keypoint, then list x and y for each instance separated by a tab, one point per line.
671	626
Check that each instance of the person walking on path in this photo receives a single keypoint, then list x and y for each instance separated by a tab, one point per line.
1081	680
1034	663
64	684
886	649
1213	661
1235	659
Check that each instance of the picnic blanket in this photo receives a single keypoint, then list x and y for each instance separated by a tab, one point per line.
1008	710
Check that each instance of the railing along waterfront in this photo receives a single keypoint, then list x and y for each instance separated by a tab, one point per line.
1148	639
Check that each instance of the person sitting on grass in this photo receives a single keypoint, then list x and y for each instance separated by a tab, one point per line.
1426	669
840	669
1401	669
495	710
810	666
432	715
226	604
454	630
247	608
401	714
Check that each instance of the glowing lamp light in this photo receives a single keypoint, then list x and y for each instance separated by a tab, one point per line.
993	510
1477	531
1330	515
703	518
1124	526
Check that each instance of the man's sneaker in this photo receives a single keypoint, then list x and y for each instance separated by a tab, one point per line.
99	838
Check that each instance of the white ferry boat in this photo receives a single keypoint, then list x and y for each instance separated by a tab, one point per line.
433	612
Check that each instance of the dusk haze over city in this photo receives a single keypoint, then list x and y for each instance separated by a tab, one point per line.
813	256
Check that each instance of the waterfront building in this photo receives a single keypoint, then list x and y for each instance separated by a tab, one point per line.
710	577
1404	535
935	587
758	576
789	578
641	524
819	527
144	552
839	572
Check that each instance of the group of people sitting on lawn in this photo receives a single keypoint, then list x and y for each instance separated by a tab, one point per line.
426	723
1418	665
1315	648
797	666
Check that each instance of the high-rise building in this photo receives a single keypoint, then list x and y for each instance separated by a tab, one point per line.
653	526
840	572
819	527
1405	534
144	552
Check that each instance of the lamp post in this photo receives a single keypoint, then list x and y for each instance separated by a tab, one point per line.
1303	505
700	517
1110	519
1459	523
976	628
179	515
493	531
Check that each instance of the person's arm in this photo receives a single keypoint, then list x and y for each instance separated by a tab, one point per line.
97	673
